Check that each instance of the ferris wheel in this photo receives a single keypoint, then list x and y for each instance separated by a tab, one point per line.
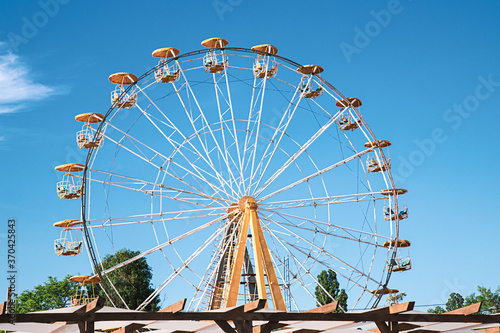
239	175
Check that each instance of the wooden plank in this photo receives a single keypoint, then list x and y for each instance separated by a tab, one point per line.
246	308
408	326
490	329
382	326
327	308
267	328
176	307
130	328
225	326
394	327
403	307
467	310
86	326
92	307
377	311
82	327
89	327
261	316
243	326
255	305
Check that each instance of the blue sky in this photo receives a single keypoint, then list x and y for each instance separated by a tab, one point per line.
428	75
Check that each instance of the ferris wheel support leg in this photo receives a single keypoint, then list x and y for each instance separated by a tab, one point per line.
276	295
237	266
257	252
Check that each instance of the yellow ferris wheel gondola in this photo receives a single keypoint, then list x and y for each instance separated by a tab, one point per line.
86	137
400	263
121	98
375	163
70	186
348	121
83	294
166	73
307	86
390	211
265	65
66	245
213	61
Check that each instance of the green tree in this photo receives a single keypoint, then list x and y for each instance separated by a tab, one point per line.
133	281
393	299
52	294
491	300
329	287
455	301
436	310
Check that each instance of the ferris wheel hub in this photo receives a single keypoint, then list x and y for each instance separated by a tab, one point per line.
247	202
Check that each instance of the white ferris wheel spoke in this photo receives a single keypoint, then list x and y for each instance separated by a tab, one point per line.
206	157
207	124
212	267
321	201
197	169
156	186
185	200
150	218
281	128
140	218
249	122
320	172
305	271
326	233
230	102
337	269
161	246
196	176
329	225
179	270
225	157
296	155
320	250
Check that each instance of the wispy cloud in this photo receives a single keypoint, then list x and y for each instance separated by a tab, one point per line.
16	85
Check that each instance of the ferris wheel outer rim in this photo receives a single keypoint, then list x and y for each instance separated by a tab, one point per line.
97	271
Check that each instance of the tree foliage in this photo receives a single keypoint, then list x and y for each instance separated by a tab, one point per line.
490	301
455	301
395	298
328	290
52	294
133	281
436	310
